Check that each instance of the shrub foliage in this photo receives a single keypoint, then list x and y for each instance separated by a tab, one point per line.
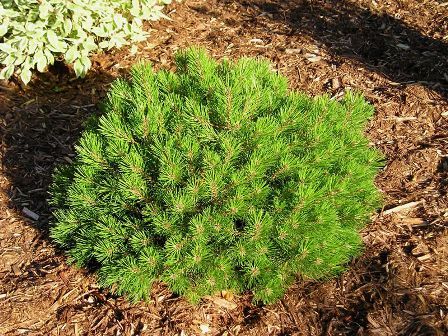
33	33
216	177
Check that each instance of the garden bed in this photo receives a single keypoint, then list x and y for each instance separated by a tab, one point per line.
397	59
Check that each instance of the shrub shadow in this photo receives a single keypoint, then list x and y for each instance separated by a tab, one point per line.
39	127
377	41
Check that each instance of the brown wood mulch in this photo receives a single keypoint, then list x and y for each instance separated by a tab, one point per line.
394	51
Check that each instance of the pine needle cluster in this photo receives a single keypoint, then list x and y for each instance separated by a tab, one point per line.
216	177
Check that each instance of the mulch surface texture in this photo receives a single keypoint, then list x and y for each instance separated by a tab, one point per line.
393	51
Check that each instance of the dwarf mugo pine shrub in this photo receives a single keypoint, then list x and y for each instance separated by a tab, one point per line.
216	177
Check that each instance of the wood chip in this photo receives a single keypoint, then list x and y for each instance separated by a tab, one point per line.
399	208
403	46
424	257
256	41
227	295
293	51
30	214
312	57
16	270
204	328
372	321
335	84
67	159
77	329
402	118
409	312
23	331
223	303
412	221
419	250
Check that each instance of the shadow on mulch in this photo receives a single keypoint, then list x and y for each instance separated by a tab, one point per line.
377	41
40	126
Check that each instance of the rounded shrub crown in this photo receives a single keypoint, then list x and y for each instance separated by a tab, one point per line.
216	177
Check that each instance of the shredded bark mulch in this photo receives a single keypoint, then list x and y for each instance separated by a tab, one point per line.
394	52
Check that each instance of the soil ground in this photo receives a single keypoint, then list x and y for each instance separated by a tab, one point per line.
393	51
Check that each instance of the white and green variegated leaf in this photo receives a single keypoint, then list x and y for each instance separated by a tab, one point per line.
19	58
68	26
33	46
52	37
89	44
81	66
7	71
71	54
3	29
25	75
40	60
34	33
44	10
7	48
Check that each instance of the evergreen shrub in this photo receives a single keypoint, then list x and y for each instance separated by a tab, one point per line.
216	177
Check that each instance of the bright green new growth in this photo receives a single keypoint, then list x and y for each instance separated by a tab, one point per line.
217	177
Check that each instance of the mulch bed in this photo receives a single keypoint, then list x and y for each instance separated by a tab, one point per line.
394	52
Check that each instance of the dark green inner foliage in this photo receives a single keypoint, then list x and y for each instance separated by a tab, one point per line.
216	177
